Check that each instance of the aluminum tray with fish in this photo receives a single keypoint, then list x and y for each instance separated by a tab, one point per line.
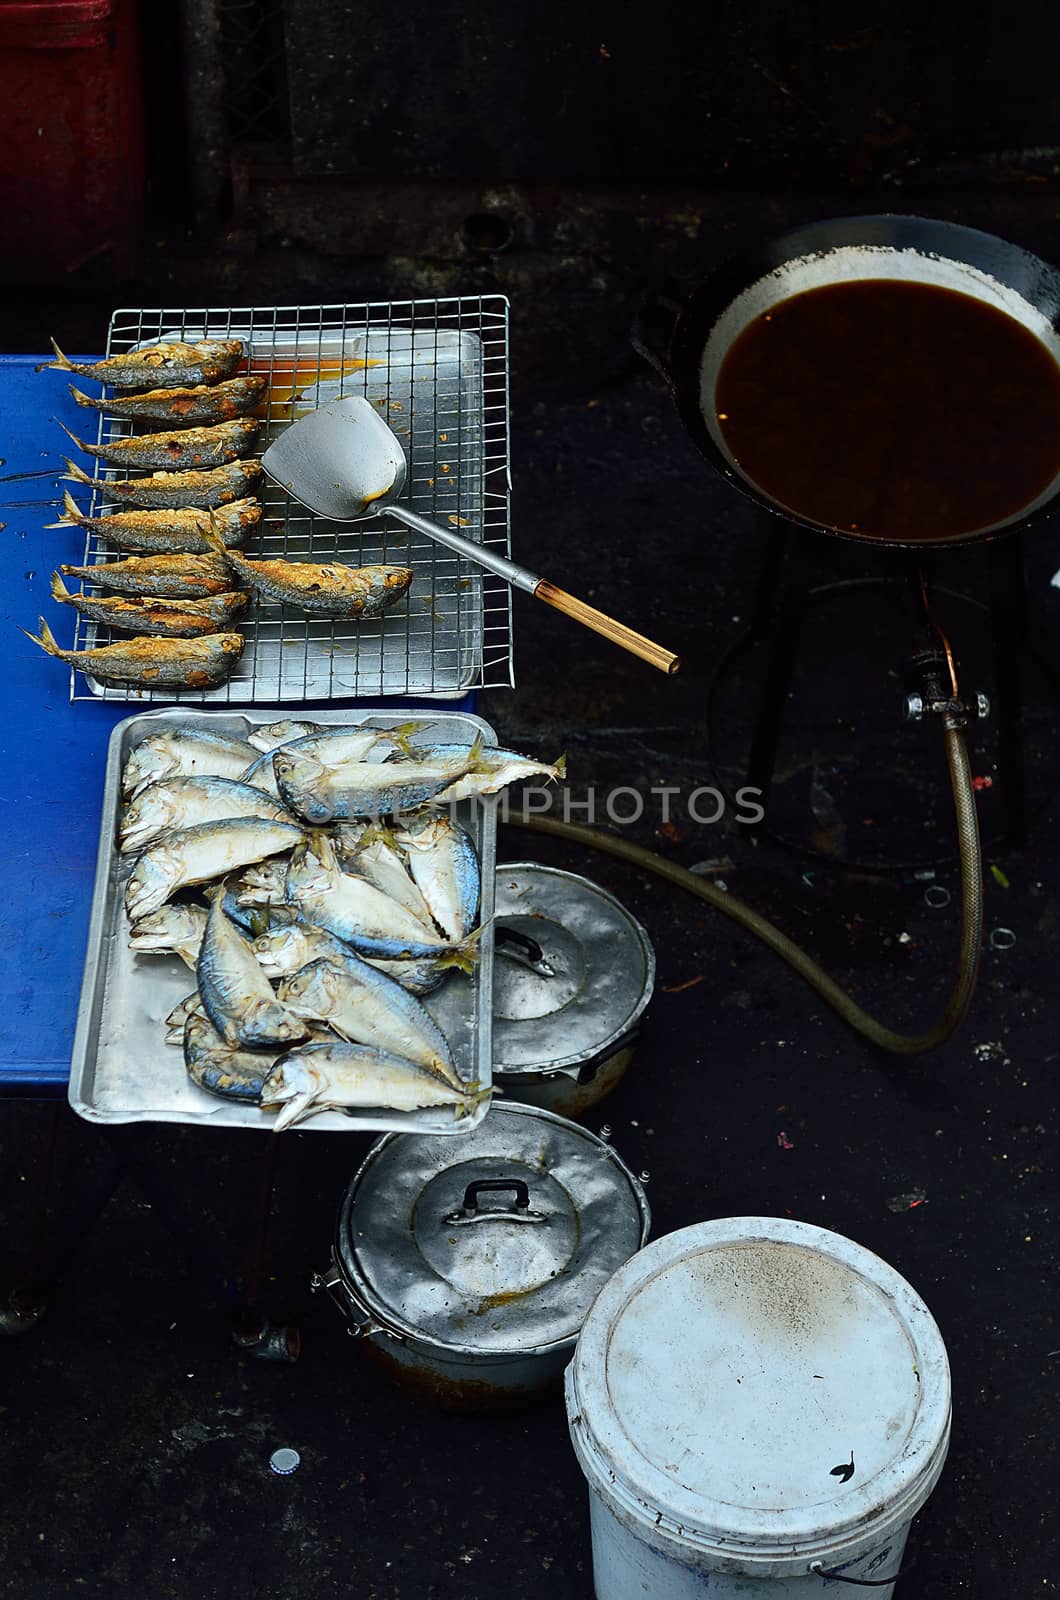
123	1070
437	370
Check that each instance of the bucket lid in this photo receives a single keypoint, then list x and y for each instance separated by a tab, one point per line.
593	980
760	1388
498	1241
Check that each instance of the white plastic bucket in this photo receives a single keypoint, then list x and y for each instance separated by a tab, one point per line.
760	1408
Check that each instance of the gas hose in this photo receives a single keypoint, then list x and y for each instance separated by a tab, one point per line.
971	869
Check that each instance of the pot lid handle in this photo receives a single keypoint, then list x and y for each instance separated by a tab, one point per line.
518	946
518	1212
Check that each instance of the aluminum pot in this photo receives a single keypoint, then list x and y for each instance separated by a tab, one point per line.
573	974
467	1266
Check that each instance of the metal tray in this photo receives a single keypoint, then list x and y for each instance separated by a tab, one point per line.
123	1072
438	371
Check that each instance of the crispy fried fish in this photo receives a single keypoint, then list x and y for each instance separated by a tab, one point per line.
171	491
168	619
176	577
185	531
152	663
162	365
182	450
185	408
324	589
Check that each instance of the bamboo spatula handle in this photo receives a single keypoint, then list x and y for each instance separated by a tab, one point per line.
600	623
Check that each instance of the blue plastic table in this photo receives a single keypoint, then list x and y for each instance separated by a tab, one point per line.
52	753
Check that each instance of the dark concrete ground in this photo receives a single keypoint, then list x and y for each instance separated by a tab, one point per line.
137	1436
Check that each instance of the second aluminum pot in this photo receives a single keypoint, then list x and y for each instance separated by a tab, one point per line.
469	1265
573	974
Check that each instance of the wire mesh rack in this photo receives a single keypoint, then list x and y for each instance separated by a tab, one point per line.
253	60
438	371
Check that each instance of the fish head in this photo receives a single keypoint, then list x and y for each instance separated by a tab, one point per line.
153	877
167	926
311	869
292	990
277	733
151	761
423	833
310	990
280	951
281	1030
183	1010
151	810
262	879
293	1084
302	784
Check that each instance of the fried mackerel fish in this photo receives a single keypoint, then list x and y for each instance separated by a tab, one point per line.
168	619
325	1076
165	365
323	589
185	753
236	995
177	577
182	532
179	450
201	406
229	1072
199	854
170	491
152	663
186	802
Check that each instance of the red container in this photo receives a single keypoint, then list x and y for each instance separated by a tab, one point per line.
72	151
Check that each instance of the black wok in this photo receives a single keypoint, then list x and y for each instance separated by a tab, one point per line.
689	341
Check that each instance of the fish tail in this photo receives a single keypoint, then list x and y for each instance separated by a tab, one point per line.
77	473
80	443
71	513
46	640
212	536
60	361
472	1100
560	767
402	736
475	759
81	399
453	958
465	954
320	844
378	832
59	590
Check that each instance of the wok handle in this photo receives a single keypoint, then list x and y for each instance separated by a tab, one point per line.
600	623
653	329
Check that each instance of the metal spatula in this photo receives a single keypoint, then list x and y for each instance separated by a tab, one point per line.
344	463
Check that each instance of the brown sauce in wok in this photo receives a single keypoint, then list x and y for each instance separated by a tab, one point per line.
892	409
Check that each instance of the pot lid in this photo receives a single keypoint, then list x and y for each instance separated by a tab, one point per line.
761	1385
583	987
498	1241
